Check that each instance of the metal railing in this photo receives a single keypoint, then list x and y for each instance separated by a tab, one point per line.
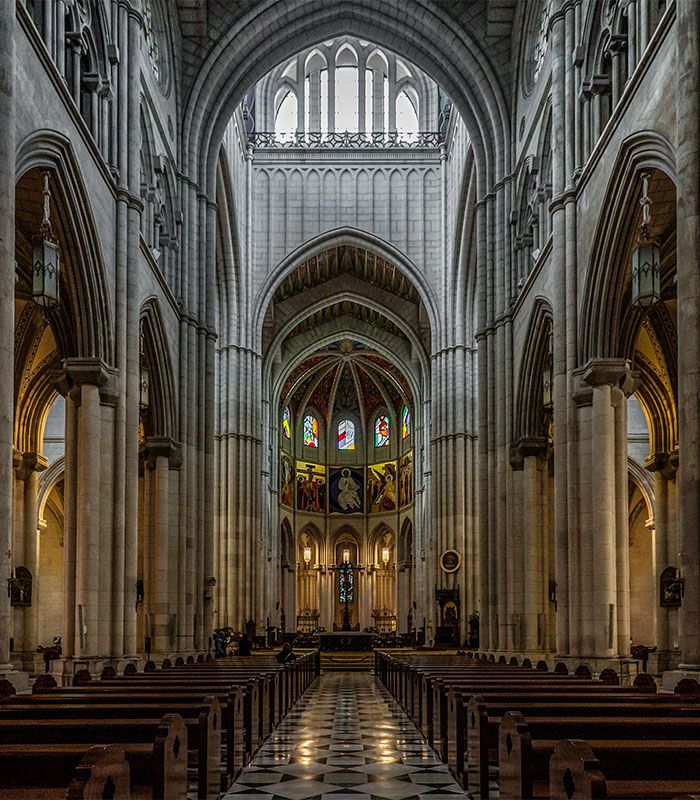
346	140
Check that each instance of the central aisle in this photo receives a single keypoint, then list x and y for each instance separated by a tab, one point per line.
346	737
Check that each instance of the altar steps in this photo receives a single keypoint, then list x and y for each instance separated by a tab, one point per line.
347	661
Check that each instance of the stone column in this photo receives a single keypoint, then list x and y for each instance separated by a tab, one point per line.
688	247
163	455
81	380
7	321
605	545
27	471
530	452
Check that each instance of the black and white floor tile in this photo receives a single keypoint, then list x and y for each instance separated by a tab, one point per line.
347	738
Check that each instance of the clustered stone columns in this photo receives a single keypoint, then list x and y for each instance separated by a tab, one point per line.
25	550
88	600
7	281
688	247
158	542
599	610
530	577
452	458
664	467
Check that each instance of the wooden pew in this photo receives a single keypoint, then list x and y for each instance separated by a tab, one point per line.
205	724
157	769
525	747
575	773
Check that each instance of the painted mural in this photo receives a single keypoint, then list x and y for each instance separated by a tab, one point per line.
346	491
381	487
286	480
311	487
406	479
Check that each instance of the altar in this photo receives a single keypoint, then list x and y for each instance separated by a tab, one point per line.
334	641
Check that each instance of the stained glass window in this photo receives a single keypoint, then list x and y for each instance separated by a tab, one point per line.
405	423
540	48
151	39
381	431
287	423
346	583
346	435
310	431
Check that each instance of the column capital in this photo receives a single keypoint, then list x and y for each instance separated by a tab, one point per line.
76	372
25	464
526	447
163	447
616	372
665	463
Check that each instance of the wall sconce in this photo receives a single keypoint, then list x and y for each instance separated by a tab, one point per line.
307	556
346	556
46	258
385	555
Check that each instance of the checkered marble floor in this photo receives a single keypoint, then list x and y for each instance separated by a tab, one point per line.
347	738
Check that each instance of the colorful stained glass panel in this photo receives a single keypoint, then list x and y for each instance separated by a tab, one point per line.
346	435
287	423
381	431
405	423
310	431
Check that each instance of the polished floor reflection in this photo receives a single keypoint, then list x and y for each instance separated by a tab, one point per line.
346	738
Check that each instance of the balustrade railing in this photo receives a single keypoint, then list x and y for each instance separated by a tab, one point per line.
346	140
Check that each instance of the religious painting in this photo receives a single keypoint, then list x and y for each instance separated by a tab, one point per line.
311	487
345	491
286	481
381	487
406	479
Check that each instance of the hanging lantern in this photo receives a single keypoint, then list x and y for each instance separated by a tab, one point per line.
307	555
346	556
385	555
46	258
646	261
144	388
547	393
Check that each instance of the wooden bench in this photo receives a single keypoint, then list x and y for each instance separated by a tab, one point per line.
575	771
156	770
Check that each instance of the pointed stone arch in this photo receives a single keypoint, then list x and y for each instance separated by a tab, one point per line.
529	418
83	323
155	347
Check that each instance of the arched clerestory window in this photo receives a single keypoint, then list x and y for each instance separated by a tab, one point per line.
382	429
346	434
310	431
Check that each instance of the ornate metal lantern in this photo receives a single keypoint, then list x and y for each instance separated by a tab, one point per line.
144	387
385	556
547	393
646	261
46	258
307	556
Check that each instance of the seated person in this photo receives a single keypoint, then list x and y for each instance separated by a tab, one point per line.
245	646
286	655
